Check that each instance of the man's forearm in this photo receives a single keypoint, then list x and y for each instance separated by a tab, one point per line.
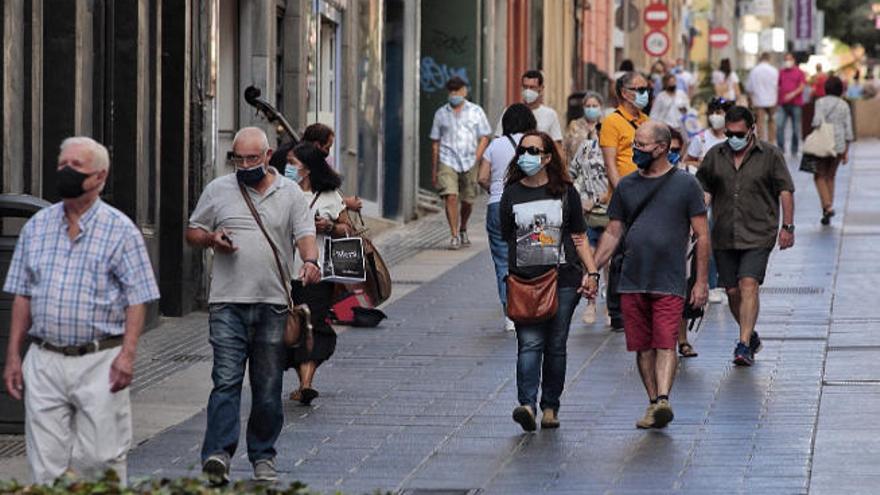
481	148
308	249
607	245
703	248
135	316
19	325
787	200
199	238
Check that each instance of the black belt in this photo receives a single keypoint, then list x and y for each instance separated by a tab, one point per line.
79	350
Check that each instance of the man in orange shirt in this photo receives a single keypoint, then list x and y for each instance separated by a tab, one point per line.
616	140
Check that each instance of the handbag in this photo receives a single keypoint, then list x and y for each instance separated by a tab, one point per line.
378	278
597	217
809	163
298	327
343	260
820	142
534	300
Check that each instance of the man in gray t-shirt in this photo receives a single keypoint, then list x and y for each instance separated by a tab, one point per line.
652	283
248	301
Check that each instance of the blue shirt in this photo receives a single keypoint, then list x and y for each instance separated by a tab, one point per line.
79	288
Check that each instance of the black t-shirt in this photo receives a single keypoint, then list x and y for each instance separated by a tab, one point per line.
655	248
531	223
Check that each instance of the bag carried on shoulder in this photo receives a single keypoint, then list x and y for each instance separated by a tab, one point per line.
298	328
377	278
533	300
820	142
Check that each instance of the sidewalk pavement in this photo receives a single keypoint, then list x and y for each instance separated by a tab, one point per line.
423	402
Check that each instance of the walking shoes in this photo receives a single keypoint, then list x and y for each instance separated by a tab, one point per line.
662	414
742	355
264	470
525	417
549	420
216	469
647	420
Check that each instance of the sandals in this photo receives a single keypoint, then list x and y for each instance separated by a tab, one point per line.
304	396
826	216
686	350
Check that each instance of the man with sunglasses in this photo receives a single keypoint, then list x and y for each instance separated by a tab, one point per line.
616	140
745	182
248	303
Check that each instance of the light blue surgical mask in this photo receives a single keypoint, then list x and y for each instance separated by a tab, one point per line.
592	113
529	164
456	100
292	173
737	143
642	99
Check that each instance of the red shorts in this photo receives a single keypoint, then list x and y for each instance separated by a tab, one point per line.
651	321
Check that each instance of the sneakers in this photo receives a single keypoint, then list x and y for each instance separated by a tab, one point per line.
647	420
525	417
264	470
742	355
616	325
463	237
454	243
589	316
755	344
216	469
549	420
662	414
716	296
509	325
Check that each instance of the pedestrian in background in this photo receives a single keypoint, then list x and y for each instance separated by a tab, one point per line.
533	97
676	151
834	110
323	136
658	72
517	120
670	104
81	277
542	223
725	81
763	88
792	82
745	182
460	134
248	303
320	185
616	140
684	78
586	165
652	213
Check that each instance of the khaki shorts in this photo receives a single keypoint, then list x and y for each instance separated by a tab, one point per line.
464	184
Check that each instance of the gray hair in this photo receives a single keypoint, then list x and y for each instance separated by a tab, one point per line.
596	96
246	132
100	155
661	133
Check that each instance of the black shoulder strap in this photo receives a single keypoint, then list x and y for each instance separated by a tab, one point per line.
631	122
631	219
312	205
512	142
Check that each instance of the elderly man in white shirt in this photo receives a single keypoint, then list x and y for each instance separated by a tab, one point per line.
763	88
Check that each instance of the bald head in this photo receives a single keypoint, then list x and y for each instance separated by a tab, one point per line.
251	137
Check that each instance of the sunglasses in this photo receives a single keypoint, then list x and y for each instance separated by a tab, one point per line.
740	135
532	150
640	89
675	150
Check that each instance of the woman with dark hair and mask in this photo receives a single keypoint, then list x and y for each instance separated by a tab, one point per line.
320	183
544	227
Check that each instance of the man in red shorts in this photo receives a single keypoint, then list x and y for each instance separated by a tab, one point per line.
652	213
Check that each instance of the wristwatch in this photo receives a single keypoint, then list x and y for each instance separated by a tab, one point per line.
788	227
594	275
314	262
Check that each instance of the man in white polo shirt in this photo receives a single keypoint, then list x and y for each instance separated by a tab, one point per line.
763	88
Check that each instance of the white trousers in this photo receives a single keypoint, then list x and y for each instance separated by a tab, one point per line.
72	421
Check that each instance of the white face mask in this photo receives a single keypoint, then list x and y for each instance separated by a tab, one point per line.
716	121
789	64
530	95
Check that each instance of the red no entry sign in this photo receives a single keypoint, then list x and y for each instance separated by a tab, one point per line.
656	43
719	37
656	15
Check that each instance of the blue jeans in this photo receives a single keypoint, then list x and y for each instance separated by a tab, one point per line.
541	354
785	113
498	249
242	333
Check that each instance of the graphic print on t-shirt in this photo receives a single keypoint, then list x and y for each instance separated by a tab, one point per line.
538	230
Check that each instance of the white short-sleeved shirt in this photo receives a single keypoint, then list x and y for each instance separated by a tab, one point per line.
498	154
763	85
459	134
548	121
731	81
249	275
703	142
330	204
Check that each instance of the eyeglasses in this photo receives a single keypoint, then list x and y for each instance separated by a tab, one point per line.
740	135
532	150
640	89
239	159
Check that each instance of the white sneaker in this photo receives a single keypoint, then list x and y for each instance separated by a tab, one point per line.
589	316
716	296
509	325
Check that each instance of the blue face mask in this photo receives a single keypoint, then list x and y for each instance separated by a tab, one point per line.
251	176
642	159
641	100
456	100
592	113
529	164
674	157
292	173
737	143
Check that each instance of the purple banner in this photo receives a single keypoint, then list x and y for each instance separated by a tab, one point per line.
803	19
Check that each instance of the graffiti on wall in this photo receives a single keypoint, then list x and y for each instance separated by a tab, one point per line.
434	75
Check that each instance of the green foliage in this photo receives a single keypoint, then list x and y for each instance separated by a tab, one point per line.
109	485
852	22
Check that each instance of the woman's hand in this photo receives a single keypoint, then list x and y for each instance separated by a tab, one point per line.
323	225
589	287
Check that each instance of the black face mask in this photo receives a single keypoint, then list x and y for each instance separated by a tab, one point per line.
671	89
70	182
250	176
